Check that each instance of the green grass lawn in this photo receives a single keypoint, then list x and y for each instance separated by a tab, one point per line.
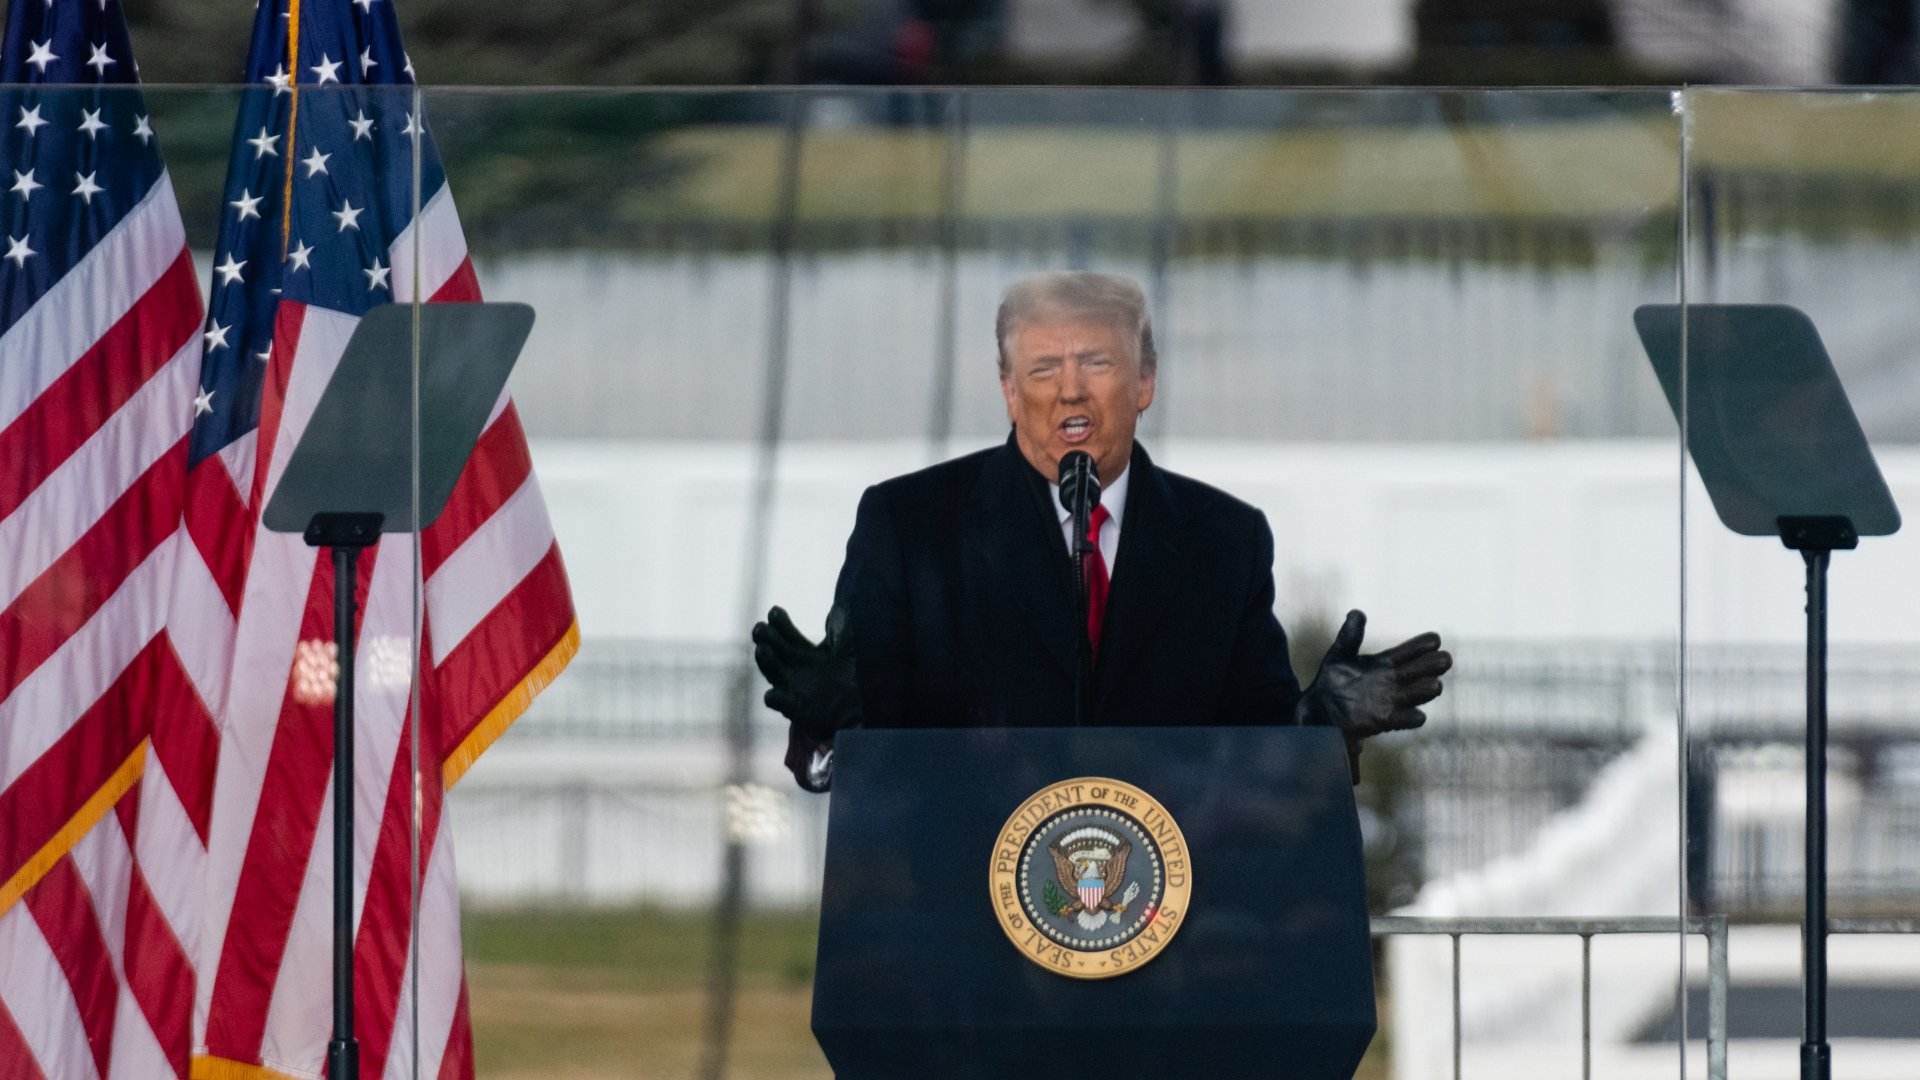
579	994
586	995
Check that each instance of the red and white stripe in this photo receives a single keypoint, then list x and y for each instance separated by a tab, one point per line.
499	621
105	745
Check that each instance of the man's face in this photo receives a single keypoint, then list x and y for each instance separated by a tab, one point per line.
1074	386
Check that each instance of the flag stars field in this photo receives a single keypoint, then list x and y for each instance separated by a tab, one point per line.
66	145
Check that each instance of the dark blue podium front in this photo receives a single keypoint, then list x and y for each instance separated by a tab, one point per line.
1270	975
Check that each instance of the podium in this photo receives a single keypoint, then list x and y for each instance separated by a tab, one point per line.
922	972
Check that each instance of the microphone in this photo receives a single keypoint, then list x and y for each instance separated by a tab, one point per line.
1079	484
1079	493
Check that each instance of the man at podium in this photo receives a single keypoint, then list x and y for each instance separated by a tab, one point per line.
957	604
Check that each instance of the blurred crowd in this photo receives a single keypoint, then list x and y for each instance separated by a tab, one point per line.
1106	42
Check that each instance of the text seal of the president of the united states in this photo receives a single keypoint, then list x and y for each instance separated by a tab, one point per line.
1091	877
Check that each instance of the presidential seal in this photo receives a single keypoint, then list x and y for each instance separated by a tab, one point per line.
1091	877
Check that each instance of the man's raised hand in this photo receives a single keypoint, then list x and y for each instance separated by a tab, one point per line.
811	685
1366	695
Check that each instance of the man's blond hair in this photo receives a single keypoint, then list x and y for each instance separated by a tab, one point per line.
1074	296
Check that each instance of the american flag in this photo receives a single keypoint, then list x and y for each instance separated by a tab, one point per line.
319	224
104	748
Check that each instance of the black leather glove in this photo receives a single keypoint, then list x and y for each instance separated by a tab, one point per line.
1366	695
812	685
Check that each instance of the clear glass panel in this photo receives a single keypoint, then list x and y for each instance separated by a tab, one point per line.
1810	200
1398	323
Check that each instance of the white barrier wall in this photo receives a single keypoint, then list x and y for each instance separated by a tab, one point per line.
1546	540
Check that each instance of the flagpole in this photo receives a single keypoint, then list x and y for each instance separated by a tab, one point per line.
293	119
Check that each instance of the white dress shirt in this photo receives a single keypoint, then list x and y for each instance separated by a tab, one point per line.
1114	498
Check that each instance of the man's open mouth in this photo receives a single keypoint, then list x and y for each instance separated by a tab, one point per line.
1075	429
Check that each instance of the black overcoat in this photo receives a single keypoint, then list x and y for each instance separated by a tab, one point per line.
959	592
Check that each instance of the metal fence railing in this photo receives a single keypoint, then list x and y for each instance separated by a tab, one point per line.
1577	692
1712	927
1520	736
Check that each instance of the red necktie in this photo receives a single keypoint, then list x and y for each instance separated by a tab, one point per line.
1096	578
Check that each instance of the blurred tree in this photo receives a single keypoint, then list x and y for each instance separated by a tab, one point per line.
1190	36
189	41
1880	42
1517	43
1496	23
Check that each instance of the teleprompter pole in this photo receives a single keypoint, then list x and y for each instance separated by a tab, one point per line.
1816	1057
343	1052
1816	538
345	535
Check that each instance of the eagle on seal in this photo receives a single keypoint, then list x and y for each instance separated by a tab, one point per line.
1091	866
